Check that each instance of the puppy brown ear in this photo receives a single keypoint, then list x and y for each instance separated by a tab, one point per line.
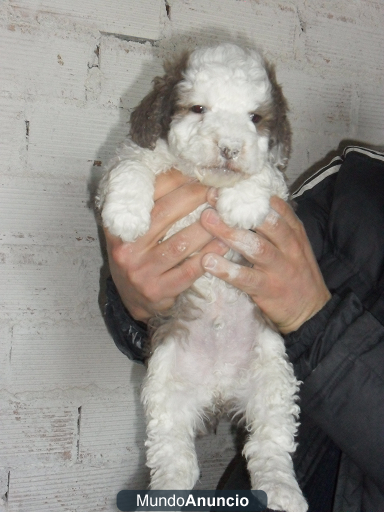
150	120
280	136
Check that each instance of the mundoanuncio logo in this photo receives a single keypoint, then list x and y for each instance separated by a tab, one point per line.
164	501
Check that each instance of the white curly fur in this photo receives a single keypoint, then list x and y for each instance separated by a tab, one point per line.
226	357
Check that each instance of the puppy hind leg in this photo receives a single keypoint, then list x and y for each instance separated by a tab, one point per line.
271	421
173	417
171	454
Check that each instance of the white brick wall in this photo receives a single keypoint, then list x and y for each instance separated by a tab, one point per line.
71	423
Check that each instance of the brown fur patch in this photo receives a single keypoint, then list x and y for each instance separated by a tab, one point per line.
150	120
280	130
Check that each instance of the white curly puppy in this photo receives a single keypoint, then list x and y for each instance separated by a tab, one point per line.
219	116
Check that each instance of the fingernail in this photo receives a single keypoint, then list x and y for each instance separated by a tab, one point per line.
212	217
222	244
212	194
272	217
209	263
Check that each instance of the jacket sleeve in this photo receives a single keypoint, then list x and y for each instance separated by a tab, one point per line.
130	337
339	356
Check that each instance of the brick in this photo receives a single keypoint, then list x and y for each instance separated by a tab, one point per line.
46	212
349	47
73	131
4	489
119	427
118	424
371	115
65	354
135	19
13	138
76	488
38	63
37	435
315	101
127	71
308	154
5	344
271	28
367	13
43	280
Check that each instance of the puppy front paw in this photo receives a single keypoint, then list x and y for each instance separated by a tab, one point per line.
126	198
126	222
242	211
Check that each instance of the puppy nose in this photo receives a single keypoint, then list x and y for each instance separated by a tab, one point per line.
229	152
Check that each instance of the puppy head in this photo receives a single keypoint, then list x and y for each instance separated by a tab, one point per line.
221	112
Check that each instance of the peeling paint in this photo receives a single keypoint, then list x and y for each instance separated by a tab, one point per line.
124	37
168	9
95	62
5	497
78	433
26	135
302	23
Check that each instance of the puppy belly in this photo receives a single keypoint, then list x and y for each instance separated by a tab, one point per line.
220	344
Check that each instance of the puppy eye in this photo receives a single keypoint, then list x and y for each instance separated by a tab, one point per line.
198	109
255	118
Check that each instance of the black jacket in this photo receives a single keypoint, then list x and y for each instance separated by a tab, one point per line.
339	353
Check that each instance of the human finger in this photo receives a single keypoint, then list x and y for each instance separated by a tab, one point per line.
285	210
159	293
244	278
144	266
183	276
279	232
174	206
255	248
178	247
212	196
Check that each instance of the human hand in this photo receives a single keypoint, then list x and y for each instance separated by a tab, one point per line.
150	275
285	280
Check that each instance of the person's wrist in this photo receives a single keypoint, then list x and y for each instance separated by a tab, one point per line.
139	316
306	314
136	312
